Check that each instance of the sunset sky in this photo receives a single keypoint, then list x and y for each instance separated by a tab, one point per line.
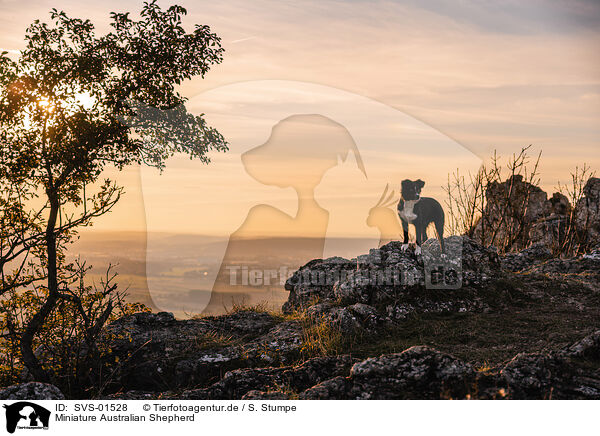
457	79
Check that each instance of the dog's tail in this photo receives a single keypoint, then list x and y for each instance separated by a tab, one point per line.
439	229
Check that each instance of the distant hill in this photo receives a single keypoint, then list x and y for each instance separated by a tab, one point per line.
177	264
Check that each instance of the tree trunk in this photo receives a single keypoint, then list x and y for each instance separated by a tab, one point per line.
37	321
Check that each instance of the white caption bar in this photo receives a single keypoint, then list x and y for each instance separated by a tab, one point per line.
297	417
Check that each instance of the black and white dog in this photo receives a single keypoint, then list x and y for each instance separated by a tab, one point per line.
419	211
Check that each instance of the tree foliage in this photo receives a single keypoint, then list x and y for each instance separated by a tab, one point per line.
72	104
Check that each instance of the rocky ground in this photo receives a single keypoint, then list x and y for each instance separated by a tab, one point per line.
523	325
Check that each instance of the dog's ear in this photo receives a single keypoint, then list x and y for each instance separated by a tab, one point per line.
420	183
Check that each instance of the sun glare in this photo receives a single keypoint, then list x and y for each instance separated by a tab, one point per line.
45	104
85	99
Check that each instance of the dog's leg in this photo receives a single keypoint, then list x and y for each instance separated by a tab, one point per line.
419	231
439	228
405	231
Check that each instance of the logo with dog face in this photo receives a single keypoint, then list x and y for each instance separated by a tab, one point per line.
26	415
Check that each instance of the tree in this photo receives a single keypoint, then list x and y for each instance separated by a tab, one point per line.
72	104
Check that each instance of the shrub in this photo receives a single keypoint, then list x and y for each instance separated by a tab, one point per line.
501	206
67	344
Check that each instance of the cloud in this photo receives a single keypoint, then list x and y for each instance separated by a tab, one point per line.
488	74
518	17
236	41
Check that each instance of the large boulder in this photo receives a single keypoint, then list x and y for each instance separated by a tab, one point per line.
314	282
348	319
587	212
504	203
419	372
262	382
534	376
551	231
519	214
582	268
570	373
587	348
527	258
392	283
31	391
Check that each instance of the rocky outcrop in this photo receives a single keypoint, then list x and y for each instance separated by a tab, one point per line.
511	210
527	258
31	391
571	373
587	212
153	351
518	215
384	298
314	281
587	348
392	283
249	382
259	355
419	372
424	373
587	264
351	318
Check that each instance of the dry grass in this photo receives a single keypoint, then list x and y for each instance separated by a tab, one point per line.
261	307
322	338
213	339
239	307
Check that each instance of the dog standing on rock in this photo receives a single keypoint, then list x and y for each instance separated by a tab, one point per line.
419	211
